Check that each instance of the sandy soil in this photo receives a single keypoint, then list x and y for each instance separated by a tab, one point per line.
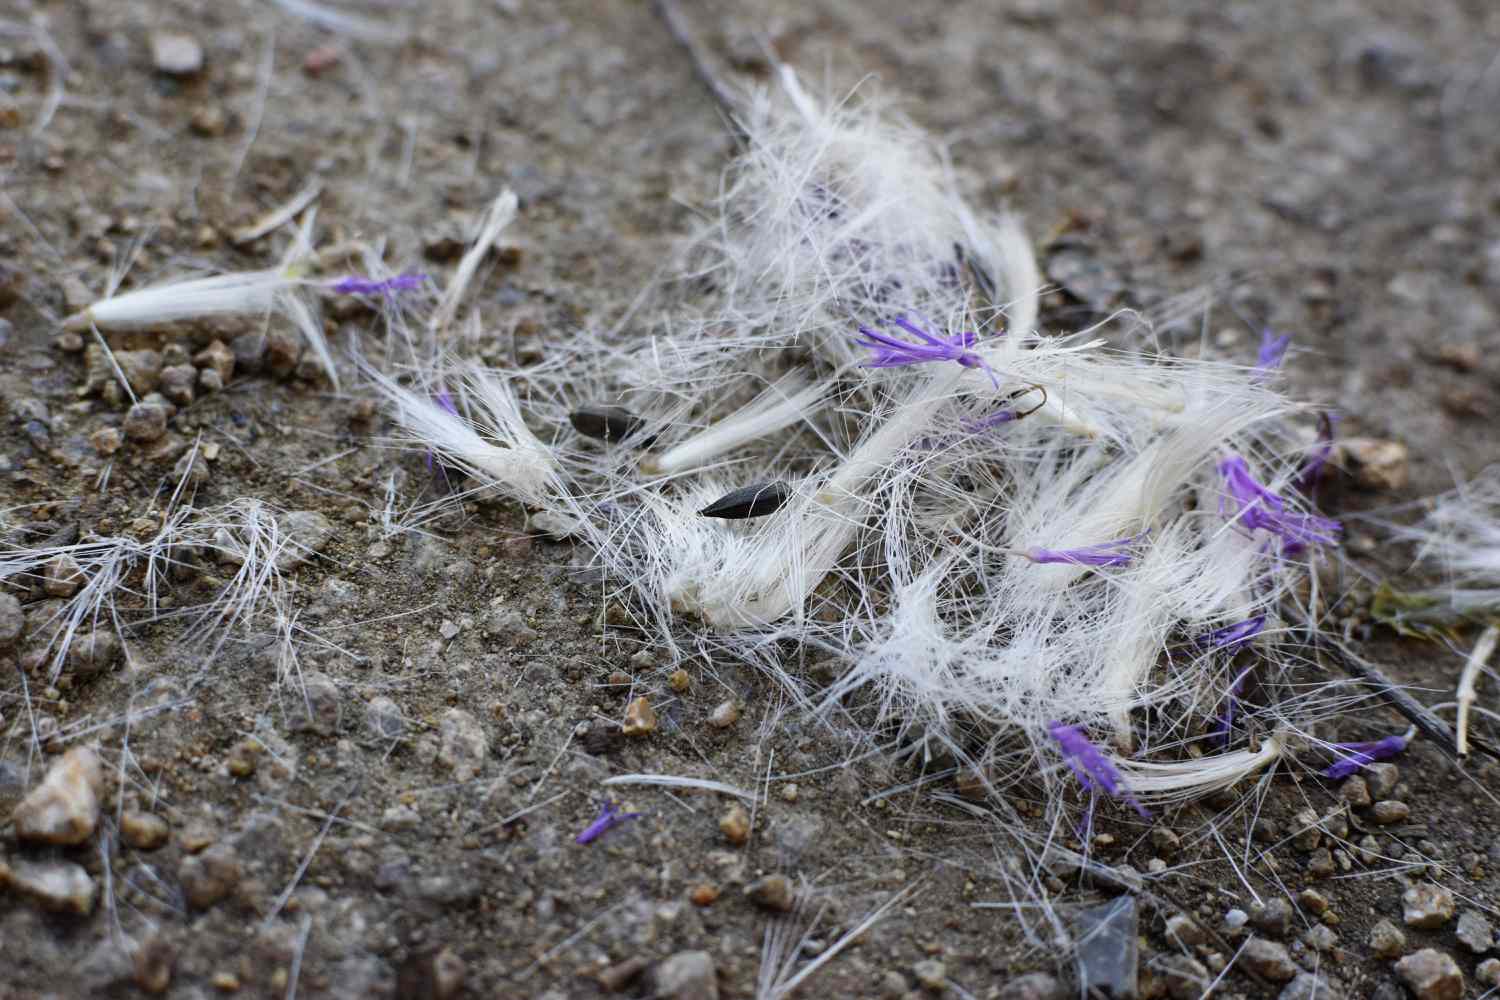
1328	169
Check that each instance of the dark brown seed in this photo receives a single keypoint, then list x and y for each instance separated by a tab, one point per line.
609	423
750	501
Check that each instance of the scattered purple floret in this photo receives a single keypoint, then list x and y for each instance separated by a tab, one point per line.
355	285
609	818
991	421
1092	769
1233	635
891	352
1257	507
1113	553
1312	468
1272	351
1361	754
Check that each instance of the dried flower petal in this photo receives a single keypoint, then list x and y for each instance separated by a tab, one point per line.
1092	769
891	352
1113	553
1272	351
355	285
609	817
1233	635
1361	754
1256	507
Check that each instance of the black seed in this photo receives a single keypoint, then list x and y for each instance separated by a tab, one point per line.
749	501
609	423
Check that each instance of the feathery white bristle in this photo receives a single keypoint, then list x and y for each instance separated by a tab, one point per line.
501	213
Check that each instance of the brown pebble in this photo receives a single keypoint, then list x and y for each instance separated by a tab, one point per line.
209	877
218	357
773	892
60	886
197	836
107	440
724	715
616	977
679	681
225	981
640	718
242	758
1374	463
64	808
143	831
735	825
704	894
1386	939
1313	902
1431	975
153	960
1388	811
617	678
1355	792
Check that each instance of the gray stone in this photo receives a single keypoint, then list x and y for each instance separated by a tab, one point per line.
1268	959
306	532
64	808
1431	975
315	705
1427	906
464	744
1382	779
177	383
383	719
932	975
94	652
687	975
1274	916
1306	832
176	53
1488	972
61	886
146	422
1387	940
12	619
1306	986
1355	792
1475	932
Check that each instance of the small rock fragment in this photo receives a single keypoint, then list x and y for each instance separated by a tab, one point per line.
1268	959
1274	916
1320	863
208	877
244	757
146	422
687	975
12	619
177	383
306	532
315	706
1388	811
383	719
735	825
1313	902
282	351
1306	986
464	744
143	831
640	718
1184	977
1387	940
435	974
176	53
1307	833
1374	463
1107	954
679	680
61	886
704	894
1355	792
1427	906
1431	975
1381	778
93	652
1488	972
107	440
620	975
724	715
64	808
142	370
932	975
1474	932
773	892
556	526
218	358
1184	932
152	963
63	577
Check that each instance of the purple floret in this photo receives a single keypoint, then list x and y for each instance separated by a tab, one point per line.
355	285
1272	351
609	818
1092	769
891	352
1358	755
1233	635
1113	553
1256	507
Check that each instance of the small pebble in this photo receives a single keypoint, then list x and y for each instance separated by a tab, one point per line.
1355	792
1274	916
735	825
616	977
1427	906
1313	902
1308	834
1431	975
1475	932
1184	932
176	53
61	886
152	964
1320	863
1375	464
146	422
93	652
1235	920
704	894
932	975
640	718
1388	811
383	719
790	791
724	715
63	577
1488	972
12	619
315	705
1321	937
219	358
243	758
687	975
1382	779
1306	986
64	808
1268	959
773	892
143	831
464	745
1184	977
209	877
225	981
679	680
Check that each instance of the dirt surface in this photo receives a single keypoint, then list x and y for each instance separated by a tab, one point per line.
1330	169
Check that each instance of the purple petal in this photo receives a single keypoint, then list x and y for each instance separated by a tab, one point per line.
1272	350
1104	554
1092	769
1233	635
1362	754
609	817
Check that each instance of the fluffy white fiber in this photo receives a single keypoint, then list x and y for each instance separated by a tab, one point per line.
927	504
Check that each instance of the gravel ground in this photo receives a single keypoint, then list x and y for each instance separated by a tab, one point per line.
399	819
